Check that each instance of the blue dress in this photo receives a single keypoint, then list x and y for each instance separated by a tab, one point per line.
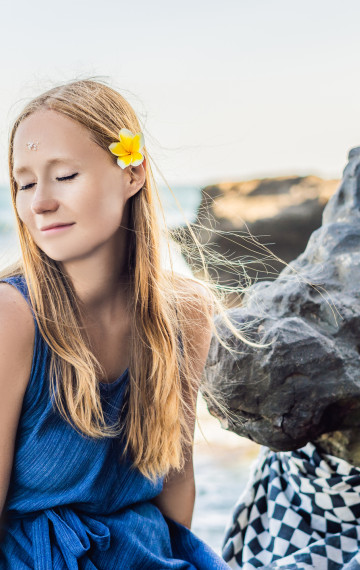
74	503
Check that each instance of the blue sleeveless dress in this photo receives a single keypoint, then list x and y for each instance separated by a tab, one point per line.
74	503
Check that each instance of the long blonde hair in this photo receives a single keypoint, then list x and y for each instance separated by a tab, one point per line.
161	384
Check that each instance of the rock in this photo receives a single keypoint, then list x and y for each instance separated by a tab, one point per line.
305	386
281	212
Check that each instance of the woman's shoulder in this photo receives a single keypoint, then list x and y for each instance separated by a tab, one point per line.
15	313
195	304
194	298
17	333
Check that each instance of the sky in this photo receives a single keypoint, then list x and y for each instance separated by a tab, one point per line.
224	91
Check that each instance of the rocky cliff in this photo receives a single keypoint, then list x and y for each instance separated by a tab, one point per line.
281	212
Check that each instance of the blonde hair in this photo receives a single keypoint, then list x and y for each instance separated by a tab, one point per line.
161	387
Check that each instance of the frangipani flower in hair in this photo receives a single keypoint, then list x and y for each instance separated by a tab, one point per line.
128	149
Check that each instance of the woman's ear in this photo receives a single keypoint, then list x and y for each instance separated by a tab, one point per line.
137	176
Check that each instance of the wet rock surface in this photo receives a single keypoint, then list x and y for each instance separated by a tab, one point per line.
305	386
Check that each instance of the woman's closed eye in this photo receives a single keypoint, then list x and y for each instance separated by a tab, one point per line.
62	179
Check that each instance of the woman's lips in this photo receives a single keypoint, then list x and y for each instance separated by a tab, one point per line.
57	229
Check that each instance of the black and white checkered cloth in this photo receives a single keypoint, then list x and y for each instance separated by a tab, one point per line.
300	509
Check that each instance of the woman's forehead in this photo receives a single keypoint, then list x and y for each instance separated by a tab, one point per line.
50	125
46	135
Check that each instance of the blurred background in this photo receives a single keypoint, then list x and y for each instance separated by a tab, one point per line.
248	109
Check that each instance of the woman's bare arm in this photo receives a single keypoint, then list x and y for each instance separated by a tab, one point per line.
178	495
177	498
17	334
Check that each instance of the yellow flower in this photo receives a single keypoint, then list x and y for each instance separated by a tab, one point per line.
128	150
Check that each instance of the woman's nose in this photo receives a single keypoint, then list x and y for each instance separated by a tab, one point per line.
43	200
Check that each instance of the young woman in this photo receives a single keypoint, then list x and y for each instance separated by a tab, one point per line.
102	350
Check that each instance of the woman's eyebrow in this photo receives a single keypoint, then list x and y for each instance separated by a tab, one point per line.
50	162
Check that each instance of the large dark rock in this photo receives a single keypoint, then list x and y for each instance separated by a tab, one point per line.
306	385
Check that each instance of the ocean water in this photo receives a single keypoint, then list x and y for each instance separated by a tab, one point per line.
188	198
222	463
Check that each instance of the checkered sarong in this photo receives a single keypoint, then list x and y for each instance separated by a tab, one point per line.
300	509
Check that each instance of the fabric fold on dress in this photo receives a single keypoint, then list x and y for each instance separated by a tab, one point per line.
74	534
